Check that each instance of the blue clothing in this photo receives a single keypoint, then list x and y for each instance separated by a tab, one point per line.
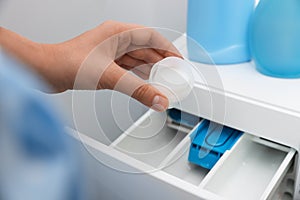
37	158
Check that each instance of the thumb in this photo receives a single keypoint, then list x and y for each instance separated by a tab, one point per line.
119	79
151	97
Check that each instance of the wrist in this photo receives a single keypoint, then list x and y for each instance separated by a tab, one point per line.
58	65
18	46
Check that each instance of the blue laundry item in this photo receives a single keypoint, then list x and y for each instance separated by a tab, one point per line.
37	157
217	30
209	142
274	38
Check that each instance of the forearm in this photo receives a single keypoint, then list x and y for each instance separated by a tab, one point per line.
27	51
42	58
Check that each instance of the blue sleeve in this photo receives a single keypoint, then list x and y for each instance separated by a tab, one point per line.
37	156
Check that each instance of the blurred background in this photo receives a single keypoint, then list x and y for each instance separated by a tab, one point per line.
58	20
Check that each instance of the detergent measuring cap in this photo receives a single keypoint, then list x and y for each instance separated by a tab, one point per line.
173	77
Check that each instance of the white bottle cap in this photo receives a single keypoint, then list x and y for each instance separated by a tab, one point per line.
173	77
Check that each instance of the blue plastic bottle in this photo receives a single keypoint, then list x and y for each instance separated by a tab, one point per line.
220	27
275	38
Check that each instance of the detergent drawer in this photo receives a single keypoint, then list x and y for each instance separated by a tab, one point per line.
253	169
150	161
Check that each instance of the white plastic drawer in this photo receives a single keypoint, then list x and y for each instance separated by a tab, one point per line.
252	169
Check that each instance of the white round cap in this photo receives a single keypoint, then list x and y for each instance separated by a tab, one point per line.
173	76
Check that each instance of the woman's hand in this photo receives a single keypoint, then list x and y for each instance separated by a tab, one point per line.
102	58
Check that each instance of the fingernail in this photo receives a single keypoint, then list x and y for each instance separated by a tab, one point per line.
160	103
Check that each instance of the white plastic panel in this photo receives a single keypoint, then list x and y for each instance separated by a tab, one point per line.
240	97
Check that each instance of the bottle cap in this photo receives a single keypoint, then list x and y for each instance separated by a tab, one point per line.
173	77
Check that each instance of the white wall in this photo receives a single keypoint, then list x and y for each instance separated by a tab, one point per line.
58	20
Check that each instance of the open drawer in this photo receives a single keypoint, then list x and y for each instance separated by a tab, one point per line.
251	170
158	154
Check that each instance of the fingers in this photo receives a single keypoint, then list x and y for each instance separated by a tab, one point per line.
136	71
144	37
143	71
162	45
140	73
129	61
151	97
119	79
140	35
139	67
146	54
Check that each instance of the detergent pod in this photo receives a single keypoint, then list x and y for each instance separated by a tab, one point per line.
174	77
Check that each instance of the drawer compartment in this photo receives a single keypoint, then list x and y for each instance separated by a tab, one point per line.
179	166
252	170
149	140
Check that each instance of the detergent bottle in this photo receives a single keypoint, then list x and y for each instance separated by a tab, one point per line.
275	38
217	30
